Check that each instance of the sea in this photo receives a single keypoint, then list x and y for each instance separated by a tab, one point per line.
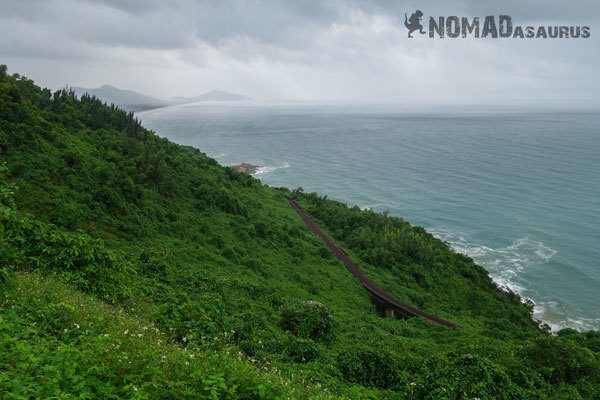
518	191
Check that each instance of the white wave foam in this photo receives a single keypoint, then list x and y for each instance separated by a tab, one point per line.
372	206
269	169
505	265
553	314
220	155
580	324
502	260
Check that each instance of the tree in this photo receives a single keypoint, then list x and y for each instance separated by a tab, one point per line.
3	73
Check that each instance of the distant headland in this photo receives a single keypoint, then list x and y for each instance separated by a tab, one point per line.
133	101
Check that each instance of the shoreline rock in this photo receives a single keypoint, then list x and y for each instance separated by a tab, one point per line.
247	168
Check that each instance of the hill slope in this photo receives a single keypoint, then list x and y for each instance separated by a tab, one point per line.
131	100
113	229
127	99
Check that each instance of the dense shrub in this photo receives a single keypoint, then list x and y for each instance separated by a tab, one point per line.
254	264
309	319
303	350
153	262
4	276
368	367
589	339
84	261
7	190
55	317
56	343
561	360
188	320
467	377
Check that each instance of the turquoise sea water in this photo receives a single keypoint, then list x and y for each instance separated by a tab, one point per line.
520	193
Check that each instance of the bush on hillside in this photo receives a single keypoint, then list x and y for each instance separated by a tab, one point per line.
303	350
309	319
467	377
561	360
82	260
368	367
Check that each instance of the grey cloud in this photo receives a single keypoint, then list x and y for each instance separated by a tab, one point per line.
154	24
339	49
291	23
100	24
131	6
532	10
567	12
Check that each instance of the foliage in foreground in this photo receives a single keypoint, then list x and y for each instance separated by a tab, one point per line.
58	343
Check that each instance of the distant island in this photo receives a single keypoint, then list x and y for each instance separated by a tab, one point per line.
133	101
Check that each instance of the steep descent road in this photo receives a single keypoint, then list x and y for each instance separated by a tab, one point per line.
387	304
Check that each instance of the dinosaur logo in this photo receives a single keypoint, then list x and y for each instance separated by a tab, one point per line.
491	26
414	22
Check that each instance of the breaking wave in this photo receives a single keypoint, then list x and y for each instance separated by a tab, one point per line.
505	264
269	169
375	206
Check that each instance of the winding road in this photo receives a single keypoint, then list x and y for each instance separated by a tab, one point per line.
386	304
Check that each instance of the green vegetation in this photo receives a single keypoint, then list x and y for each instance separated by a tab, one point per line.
132	267
413	265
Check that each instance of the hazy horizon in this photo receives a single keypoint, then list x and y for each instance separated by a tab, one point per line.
354	51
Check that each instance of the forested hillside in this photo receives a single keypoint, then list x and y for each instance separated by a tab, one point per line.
133	267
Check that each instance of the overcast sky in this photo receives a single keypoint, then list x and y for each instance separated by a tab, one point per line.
344	50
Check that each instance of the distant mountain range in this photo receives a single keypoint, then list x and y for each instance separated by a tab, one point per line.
213	95
134	101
